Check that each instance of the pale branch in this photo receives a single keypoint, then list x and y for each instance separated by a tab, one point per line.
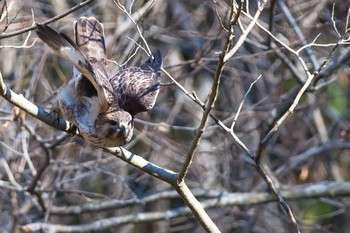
137	161
333	21
299	33
106	223
284	45
108	204
196	207
14	151
10	176
116	203
26	155
27	29
216	199
9	186
243	37
242	102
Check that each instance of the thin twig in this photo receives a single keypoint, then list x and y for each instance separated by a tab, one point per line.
298	32
122	8
242	102
211	100
299	95
245	32
333	21
27	29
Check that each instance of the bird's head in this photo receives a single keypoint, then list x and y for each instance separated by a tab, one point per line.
115	127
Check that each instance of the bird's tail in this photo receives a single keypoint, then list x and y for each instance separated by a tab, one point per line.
154	62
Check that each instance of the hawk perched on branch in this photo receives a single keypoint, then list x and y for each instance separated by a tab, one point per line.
102	106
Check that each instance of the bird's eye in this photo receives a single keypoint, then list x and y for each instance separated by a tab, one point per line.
113	122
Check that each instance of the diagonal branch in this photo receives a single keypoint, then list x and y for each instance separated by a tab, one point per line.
241	40
212	96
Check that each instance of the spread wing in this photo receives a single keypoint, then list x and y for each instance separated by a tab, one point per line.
137	87
87	55
89	37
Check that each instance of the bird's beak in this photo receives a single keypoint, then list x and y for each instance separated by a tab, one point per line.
123	126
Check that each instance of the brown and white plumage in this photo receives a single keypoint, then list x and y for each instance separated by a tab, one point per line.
100	105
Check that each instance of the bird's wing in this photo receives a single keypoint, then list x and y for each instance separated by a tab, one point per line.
89	37
137	87
68	49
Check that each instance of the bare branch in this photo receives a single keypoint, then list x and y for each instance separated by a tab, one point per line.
299	95
122	8
245	32
298	32
218	199
18	32
242	102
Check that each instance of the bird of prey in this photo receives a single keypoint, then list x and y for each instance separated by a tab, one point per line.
101	105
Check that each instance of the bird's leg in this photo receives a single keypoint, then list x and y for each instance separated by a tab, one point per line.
56	112
73	129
